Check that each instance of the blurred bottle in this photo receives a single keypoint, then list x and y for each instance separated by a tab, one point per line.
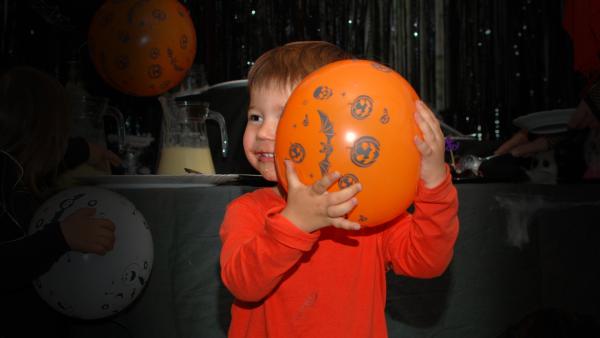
75	86
194	83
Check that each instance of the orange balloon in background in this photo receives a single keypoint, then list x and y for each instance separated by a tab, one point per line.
355	117
142	48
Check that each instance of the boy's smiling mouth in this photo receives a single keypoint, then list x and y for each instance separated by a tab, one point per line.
265	156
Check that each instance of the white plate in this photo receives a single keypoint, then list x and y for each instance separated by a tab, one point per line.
221	85
157	181
545	122
230	84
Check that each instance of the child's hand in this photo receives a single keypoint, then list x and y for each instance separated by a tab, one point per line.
312	207
433	167
84	233
102	158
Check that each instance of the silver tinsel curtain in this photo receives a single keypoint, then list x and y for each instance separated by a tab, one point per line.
406	35
478	63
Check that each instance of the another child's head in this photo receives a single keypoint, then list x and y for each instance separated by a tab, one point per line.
270	82
34	122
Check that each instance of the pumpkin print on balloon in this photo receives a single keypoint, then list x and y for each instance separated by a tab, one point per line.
142	48
355	117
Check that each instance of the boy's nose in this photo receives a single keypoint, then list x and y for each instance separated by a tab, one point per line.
267	131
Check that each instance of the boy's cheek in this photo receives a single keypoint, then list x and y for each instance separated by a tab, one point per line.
247	138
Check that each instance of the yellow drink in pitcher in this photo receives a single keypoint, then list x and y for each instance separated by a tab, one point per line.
173	160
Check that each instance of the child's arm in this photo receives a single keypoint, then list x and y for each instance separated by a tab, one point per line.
258	251
80	151
27	258
422	244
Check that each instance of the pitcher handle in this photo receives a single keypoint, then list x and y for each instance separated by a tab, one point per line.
118	116
216	116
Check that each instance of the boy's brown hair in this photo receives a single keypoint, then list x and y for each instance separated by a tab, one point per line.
285	66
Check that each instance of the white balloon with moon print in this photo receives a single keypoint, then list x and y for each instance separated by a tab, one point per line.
90	286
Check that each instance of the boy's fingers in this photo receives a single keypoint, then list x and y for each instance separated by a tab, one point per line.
341	209
429	124
422	146
290	173
325	182
344	194
431	120
343	223
428	134
427	115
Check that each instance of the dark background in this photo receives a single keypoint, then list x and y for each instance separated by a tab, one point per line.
479	64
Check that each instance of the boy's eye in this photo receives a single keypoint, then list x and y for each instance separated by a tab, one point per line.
254	118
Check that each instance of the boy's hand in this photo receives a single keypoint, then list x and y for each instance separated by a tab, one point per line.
433	167
312	207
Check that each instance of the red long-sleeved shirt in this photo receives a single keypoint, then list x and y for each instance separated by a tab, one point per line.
329	283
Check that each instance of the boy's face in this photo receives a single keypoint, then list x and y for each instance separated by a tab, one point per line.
266	107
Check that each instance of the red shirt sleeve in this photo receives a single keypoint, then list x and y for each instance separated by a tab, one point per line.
422	244
258	251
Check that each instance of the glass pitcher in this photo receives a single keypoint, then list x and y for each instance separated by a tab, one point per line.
88	120
184	143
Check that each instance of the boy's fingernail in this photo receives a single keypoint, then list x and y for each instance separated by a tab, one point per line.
359	186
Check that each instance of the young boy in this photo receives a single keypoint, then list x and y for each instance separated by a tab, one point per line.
296	266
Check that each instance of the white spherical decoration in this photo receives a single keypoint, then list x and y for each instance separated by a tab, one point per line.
90	286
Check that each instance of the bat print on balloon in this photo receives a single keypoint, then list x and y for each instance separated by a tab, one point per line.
355	117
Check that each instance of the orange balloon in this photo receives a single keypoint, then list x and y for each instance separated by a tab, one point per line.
142	48
355	117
